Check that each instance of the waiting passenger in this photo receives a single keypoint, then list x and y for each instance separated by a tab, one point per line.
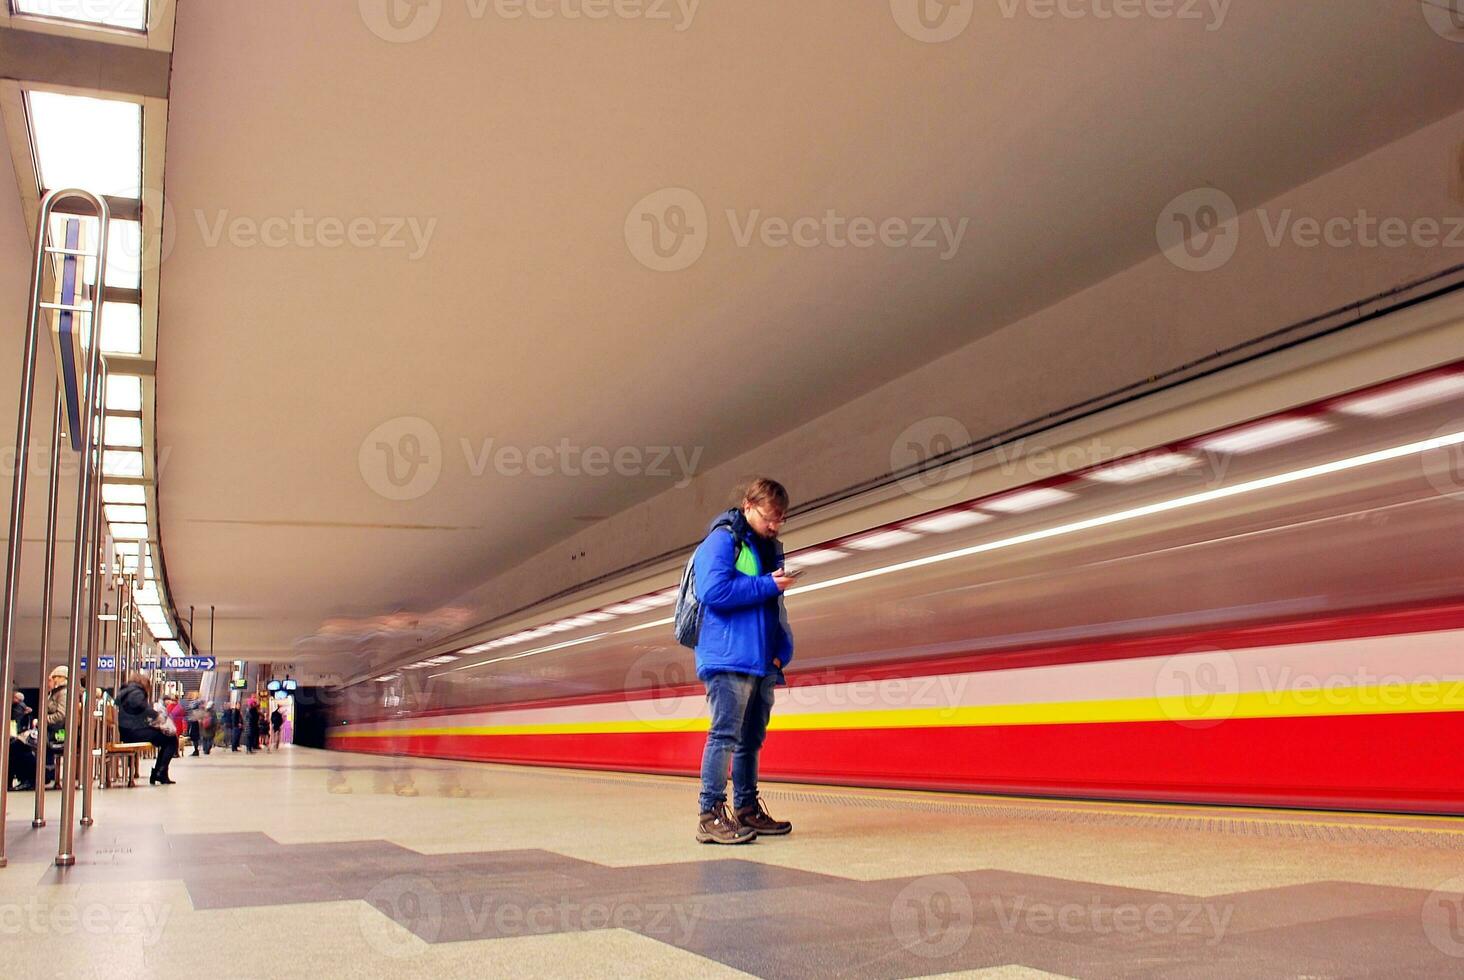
251	727
743	646
139	721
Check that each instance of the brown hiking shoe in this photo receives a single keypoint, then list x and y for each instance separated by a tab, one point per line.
716	827
755	817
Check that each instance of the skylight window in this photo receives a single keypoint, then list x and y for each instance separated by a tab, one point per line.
126	514
124	393
121	462
123	431
121	328
124	493
128	14
91	144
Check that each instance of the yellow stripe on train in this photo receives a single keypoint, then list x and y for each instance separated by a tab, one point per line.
1199	709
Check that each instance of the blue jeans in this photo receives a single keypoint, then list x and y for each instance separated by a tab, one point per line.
741	705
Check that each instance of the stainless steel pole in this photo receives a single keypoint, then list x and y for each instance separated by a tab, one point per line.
87	703
42	735
94	741
22	450
65	853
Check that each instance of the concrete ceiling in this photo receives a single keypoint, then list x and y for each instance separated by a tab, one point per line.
524	145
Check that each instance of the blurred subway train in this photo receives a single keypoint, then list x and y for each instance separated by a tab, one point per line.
1247	589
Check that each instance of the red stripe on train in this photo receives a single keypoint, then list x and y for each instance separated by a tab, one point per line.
1407	763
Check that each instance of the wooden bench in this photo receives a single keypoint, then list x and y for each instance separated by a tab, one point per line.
121	759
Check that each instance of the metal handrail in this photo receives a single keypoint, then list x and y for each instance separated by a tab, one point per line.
82	549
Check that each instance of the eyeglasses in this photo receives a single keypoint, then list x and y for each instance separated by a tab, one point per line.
777	517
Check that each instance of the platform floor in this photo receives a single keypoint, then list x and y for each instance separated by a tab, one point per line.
315	864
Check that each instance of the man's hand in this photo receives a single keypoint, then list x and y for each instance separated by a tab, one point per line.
783	580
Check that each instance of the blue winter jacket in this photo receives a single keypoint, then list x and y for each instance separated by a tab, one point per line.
744	625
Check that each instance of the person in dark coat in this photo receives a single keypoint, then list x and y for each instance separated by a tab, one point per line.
251	727
137	720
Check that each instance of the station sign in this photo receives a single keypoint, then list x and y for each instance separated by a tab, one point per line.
189	663
104	662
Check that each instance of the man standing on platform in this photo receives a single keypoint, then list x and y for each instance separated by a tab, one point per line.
742	648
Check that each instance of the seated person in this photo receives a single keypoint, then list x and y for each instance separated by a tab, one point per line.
136	722
22	764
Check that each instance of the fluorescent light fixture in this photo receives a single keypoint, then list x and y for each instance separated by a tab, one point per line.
124	393
1149	510
659	599
121	328
129	532
124	493
120	430
147	596
126	514
128	548
558	627
1142	468
809	557
91	144
1405	398
387	677
596	617
875	540
172	648
626	608
1263	435
129	14
1026	500
121	462
953	520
